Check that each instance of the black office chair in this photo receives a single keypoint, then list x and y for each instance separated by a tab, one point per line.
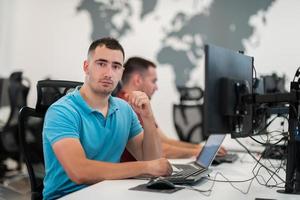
187	115
3	167
48	91
14	92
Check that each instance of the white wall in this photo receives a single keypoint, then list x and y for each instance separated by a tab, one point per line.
49	39
42	42
279	49
6	31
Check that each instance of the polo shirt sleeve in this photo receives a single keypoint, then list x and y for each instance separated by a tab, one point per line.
60	122
136	126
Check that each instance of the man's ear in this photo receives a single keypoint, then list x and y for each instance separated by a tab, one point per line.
137	79
86	66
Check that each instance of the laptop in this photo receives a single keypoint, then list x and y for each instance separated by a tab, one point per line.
192	172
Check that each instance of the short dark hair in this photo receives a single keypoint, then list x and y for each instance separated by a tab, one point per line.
135	64
108	42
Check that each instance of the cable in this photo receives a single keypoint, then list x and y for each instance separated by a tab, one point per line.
268	142
266	183
266	152
269	139
255	177
276	171
258	161
203	191
267	125
264	128
235	181
198	190
230	182
226	181
269	171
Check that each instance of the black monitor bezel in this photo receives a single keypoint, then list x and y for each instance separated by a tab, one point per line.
224	63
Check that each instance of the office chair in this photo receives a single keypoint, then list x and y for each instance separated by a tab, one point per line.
14	92
2	166
48	91
187	115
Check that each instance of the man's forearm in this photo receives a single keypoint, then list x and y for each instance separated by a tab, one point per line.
178	143
172	151
151	142
91	171
181	143
81	170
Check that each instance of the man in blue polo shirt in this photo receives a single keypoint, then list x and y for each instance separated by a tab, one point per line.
86	132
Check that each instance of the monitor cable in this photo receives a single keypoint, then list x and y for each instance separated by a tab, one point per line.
258	161
231	182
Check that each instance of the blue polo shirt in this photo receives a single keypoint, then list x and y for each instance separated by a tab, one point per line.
102	139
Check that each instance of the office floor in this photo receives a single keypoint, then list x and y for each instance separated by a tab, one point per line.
15	184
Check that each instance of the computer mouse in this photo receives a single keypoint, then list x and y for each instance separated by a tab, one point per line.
160	184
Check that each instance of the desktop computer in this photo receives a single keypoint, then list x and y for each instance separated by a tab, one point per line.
232	106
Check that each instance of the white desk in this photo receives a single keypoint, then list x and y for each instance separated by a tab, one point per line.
240	170
233	145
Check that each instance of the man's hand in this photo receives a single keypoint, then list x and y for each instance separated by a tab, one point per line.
222	151
159	167
140	103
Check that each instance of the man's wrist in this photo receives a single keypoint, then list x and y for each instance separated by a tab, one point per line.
149	116
145	167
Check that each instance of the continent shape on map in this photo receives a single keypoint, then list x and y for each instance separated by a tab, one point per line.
102	13
226	25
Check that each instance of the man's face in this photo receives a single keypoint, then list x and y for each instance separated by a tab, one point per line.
148	83
103	70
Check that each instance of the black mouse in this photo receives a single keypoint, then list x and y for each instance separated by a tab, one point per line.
160	184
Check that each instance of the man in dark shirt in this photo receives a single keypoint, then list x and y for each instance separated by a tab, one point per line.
140	75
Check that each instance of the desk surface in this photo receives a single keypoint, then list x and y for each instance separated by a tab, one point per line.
240	170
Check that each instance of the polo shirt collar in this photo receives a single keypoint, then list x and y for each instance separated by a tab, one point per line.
113	107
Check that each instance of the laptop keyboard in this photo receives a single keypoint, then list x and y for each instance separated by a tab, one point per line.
184	174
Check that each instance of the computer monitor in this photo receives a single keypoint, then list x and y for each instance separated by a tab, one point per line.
228	78
230	104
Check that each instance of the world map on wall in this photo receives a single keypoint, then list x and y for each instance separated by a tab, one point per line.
224	23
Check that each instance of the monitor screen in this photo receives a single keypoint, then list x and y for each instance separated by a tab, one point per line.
228	77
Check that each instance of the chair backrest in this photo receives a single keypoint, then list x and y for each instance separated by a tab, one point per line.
4	102
18	89
48	91
188	122
14	92
4	99
193	94
187	115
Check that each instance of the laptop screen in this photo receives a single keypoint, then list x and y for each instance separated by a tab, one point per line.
210	150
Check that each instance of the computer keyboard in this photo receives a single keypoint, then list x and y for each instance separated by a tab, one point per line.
185	173
181	175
